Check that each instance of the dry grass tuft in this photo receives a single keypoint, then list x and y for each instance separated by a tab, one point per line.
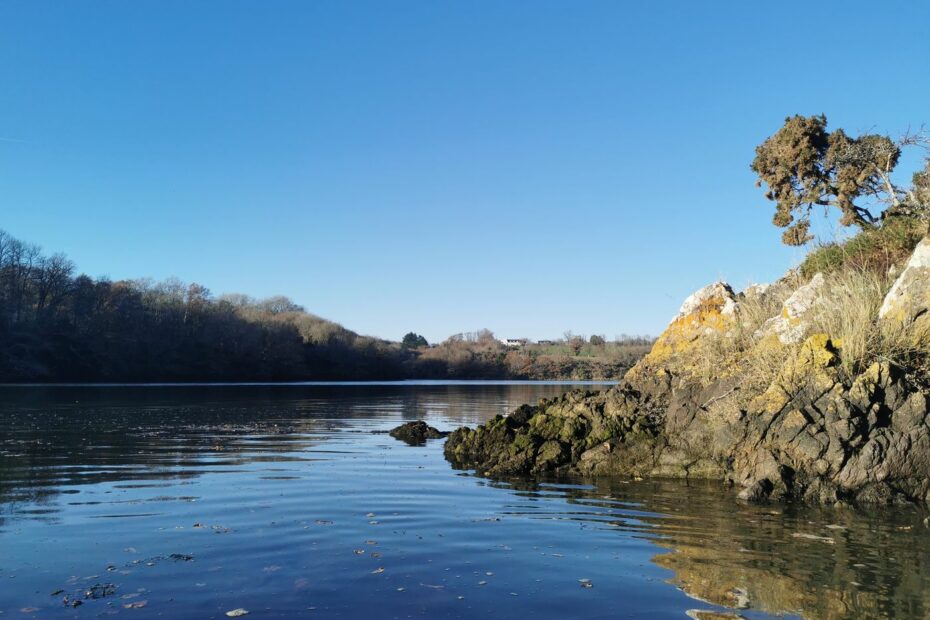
847	312
737	349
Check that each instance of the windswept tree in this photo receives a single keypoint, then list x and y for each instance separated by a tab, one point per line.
805	166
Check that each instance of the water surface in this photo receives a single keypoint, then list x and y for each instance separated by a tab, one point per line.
287	501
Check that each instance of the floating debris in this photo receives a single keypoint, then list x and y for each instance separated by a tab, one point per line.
378	570
135	605
235	613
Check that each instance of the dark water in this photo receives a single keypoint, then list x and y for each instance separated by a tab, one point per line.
191	502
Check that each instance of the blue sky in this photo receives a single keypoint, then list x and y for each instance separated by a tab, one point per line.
529	167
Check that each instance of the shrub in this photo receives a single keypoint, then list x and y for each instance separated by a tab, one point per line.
875	249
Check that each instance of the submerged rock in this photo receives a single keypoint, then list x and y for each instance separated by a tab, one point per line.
416	433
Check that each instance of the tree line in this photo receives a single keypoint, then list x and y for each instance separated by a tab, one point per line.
59	325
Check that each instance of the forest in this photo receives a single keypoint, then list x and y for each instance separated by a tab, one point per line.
59	325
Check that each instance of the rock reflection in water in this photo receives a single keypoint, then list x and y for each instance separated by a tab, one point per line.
815	563
94	478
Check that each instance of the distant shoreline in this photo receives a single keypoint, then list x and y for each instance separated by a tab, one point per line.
399	383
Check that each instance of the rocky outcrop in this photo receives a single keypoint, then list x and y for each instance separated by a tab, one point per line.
416	433
572	432
909	297
809	430
792	323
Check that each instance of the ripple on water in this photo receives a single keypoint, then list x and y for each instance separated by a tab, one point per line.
200	501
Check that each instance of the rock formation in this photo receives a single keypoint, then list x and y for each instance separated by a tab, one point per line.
791	324
909	297
774	413
416	433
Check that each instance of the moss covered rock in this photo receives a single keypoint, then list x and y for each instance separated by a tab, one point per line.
416	433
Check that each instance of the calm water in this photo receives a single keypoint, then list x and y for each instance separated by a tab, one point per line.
190	502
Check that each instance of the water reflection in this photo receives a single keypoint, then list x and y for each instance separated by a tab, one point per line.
816	563
79	467
55	437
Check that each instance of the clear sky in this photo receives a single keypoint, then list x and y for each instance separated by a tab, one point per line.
529	167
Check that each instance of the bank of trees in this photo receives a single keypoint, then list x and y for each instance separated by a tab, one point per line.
480	354
56	325
59	325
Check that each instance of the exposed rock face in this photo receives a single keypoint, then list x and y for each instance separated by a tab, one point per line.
791	325
707	311
756	290
718	294
416	433
809	432
909	297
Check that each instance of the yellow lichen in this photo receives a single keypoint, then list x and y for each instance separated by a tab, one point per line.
685	334
813	364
